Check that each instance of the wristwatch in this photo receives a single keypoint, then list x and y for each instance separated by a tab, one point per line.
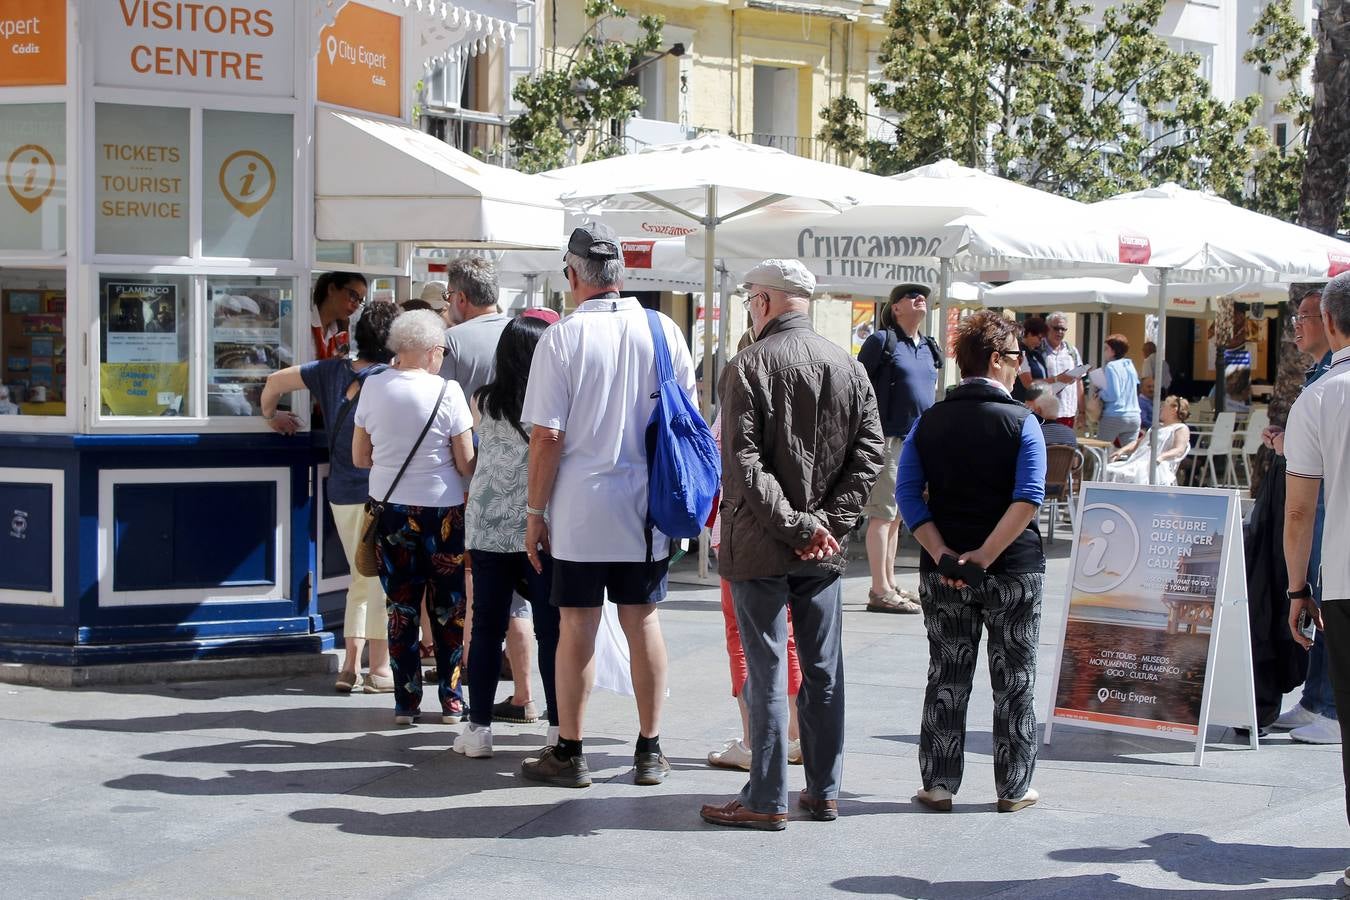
1303	593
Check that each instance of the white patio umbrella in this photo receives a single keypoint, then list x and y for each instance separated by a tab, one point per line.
1238	245
706	183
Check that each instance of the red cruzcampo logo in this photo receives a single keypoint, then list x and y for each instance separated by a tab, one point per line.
638	254
1337	263
1135	249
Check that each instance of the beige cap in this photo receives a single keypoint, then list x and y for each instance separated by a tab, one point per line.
787	275
431	293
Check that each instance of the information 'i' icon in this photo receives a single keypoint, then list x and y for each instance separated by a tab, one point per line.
30	175
247	180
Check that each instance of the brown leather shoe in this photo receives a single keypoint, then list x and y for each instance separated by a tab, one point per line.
820	810
733	815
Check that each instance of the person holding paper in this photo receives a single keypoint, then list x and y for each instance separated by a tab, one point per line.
981	457
1064	368
1118	388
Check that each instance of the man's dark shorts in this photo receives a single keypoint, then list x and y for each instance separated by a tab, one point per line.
584	584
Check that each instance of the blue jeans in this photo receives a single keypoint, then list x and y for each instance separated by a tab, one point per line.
495	577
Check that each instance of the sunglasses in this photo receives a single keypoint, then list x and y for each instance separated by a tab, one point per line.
1014	353
1059	328
914	295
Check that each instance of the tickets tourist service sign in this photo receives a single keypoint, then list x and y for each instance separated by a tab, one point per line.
1155	637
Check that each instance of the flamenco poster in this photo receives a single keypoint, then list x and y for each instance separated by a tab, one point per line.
1148	570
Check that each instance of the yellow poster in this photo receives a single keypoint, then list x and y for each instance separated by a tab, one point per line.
143	389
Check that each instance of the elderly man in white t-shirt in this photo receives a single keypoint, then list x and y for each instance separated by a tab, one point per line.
1317	448
590	396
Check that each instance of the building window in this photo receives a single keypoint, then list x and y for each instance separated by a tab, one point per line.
775	107
141	204
651	84
1282	137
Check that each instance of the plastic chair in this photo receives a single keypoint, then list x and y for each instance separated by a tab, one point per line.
1249	441
1062	464
1215	444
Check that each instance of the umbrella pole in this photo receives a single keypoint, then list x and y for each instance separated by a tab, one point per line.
709	279
1157	382
944	281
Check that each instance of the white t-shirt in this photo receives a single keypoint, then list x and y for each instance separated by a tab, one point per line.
394	406
592	378
1317	445
1057	362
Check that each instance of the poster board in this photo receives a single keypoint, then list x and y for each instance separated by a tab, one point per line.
1156	637
143	372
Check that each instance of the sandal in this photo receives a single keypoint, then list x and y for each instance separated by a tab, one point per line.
345	682
891	602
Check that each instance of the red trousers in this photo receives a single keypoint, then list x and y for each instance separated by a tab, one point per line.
736	653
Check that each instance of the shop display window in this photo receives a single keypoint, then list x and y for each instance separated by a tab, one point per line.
379	254
33	342
337	252
33	153
144	345
141	192
249	338
248	184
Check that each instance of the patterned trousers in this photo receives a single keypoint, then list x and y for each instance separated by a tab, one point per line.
421	555
1010	607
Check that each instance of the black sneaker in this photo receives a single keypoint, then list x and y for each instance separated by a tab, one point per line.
550	768
650	768
506	711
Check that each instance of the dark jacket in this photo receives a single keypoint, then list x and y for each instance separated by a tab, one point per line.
969	445
801	447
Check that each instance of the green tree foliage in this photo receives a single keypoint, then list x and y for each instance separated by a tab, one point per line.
584	95
1034	91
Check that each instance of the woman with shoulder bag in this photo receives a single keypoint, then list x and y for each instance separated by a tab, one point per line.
413	428
336	384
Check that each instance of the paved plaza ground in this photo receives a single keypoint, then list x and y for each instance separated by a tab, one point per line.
279	787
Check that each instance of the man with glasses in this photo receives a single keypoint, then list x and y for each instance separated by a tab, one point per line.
903	366
1313	719
1060	358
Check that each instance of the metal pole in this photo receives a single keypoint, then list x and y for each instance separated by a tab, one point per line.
1157	382
944	280
709	279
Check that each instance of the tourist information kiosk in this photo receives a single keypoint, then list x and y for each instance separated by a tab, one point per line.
157	245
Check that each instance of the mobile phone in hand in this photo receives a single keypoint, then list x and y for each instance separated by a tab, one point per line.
950	567
1305	624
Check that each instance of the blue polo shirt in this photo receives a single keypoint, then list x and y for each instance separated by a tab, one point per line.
906	388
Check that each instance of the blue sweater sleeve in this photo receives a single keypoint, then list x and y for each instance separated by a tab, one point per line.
1029	484
911	480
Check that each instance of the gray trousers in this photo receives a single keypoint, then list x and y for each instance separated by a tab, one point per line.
816	599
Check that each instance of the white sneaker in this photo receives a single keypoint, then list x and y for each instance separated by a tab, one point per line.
1322	731
735	755
475	742
795	752
1296	716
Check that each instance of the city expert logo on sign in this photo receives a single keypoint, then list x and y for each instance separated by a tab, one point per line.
30	174
338	47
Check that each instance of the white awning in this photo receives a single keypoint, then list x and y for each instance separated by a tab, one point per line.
378	181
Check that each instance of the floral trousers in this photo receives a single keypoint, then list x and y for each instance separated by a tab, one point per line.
420	550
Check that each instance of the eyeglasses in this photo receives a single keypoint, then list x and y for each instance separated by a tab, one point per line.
357	297
1297	319
746	302
1059	328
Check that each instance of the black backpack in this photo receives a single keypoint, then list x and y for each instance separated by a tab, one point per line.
888	373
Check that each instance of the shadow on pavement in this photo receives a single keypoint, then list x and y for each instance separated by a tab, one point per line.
1198	858
1106	886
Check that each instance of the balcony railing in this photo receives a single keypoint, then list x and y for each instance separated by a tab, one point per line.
797	145
479	134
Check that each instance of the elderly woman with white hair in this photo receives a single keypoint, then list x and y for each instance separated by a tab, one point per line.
413	429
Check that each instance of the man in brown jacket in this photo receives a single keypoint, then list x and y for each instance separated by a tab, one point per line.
802	447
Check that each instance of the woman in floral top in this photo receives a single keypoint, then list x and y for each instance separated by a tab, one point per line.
495	535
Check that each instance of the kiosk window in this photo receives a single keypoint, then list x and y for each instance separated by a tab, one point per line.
248	186
249	339
141	192
144	340
33	152
32	342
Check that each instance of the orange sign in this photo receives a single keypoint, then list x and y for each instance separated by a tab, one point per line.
360	61
32	42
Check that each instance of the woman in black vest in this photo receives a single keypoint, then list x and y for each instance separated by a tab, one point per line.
981	456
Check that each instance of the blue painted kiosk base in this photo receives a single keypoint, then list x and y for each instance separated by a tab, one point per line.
126	549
